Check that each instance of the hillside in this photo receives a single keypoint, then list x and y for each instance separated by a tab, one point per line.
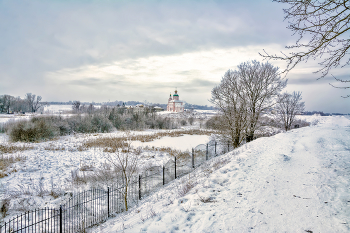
297	181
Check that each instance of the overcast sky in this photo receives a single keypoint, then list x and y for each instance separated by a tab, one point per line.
142	50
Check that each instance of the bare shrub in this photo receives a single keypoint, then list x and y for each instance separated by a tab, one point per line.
219	163
4	206
54	148
186	186
10	148
6	161
111	143
35	130
86	167
205	199
78	179
151	212
187	207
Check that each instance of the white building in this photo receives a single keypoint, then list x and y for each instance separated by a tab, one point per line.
174	104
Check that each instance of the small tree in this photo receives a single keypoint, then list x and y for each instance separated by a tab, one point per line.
125	164
288	106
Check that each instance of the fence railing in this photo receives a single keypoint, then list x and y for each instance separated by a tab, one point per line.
94	206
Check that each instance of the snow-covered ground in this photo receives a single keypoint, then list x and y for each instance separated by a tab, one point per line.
49	165
298	181
57	108
292	182
60	108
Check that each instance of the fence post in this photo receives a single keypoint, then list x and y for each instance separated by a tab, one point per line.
61	219
228	146
140	187
215	149
192	158
163	175
175	167
108	201
206	153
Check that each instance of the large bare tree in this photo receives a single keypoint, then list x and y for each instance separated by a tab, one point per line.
228	98
260	83
325	25
243	95
7	101
34	103
288	106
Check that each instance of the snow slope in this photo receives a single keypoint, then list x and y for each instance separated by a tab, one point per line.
297	181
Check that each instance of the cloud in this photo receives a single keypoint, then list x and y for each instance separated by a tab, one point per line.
136	50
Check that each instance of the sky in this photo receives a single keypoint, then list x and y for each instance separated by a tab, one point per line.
142	50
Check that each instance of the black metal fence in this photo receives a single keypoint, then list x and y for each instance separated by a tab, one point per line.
94	206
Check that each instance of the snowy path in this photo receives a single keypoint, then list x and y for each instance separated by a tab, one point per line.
297	181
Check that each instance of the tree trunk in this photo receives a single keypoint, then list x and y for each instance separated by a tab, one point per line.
126	198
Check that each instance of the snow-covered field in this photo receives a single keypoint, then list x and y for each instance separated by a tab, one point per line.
298	181
49	166
183	143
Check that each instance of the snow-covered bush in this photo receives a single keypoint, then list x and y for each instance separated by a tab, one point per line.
36	129
48	127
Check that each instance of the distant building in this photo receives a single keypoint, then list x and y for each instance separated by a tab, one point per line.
174	104
158	109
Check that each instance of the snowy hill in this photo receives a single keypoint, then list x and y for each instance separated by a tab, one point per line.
297	181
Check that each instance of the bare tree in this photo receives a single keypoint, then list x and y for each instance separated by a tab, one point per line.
243	95
19	105
288	106
34	103
325	24
261	82
2	104
76	105
125	164
8	101
227	97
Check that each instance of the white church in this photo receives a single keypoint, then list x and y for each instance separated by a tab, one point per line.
174	104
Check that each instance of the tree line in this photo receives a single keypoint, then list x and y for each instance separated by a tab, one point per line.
30	103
